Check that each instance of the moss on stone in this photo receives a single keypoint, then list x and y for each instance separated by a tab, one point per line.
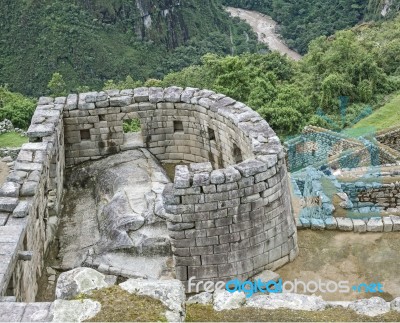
117	305
202	313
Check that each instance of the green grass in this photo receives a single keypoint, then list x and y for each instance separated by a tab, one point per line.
117	305
385	117
12	140
202	313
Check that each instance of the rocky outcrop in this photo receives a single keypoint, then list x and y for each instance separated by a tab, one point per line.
81	281
170	292
374	306
74	311
116	202
295	302
224	300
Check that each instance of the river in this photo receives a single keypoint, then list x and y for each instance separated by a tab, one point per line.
264	26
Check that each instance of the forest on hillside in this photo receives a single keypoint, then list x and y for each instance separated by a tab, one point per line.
191	43
89	42
301	21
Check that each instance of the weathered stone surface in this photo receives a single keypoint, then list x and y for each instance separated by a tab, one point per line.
74	311
120	101
10	189
217	177
77	281
395	304
375	225
182	177
331	223
204	298
224	300
359	225
296	302
8	204
37	312
45	100
118	218
396	222
128	234
40	130
267	275
201	167
29	188
371	307
141	94
387	224
346	202
173	94
251	167
231	174
72	102
201	179
344	224
317	224
11	312
170	292
156	94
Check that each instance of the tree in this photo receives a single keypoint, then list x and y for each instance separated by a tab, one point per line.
57	85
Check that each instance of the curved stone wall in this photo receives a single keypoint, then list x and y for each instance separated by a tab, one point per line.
229	212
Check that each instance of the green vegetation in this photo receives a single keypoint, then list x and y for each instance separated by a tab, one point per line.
12	139
386	117
118	305
361	64
131	125
16	108
205	313
57	85
303	20
90	42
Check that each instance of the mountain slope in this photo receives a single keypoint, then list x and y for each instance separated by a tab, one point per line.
301	21
90	41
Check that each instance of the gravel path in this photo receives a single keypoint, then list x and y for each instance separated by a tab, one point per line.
264	26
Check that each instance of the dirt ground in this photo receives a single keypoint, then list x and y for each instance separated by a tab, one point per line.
345	256
264	27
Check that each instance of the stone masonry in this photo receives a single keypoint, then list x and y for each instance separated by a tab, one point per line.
229	210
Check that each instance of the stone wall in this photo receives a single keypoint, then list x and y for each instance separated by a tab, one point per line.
390	137
228	217
318	146
177	125
30	201
229	212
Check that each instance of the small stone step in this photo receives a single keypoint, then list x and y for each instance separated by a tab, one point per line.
132	140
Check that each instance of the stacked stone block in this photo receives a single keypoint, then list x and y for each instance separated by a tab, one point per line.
29	202
94	125
230	223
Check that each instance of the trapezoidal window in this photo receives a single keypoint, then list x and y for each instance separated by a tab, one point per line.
85	134
178	127
211	134
132	125
237	154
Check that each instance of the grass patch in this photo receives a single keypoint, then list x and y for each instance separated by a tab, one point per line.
12	140
383	118
117	305
132	126
202	313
